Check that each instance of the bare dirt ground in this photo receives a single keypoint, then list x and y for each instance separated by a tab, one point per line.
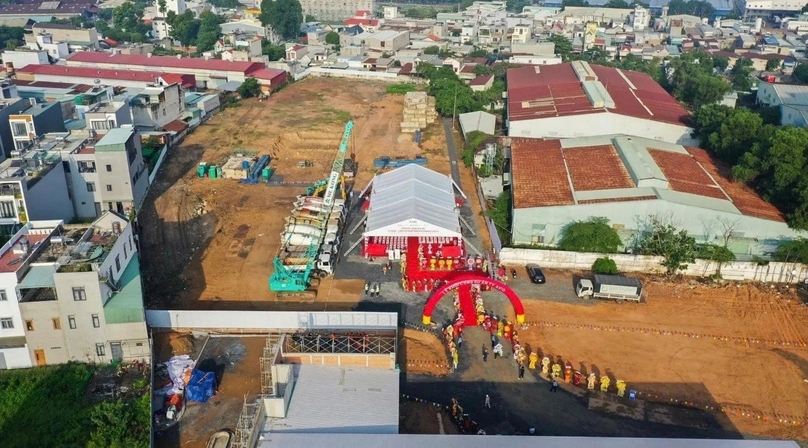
712	358
425	354
236	363
209	244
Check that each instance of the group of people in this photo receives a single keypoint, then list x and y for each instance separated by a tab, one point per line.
463	421
372	289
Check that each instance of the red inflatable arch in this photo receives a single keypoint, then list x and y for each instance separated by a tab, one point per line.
465	280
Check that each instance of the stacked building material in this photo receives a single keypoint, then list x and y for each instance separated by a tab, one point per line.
419	110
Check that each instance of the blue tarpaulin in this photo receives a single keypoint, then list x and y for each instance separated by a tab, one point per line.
201	387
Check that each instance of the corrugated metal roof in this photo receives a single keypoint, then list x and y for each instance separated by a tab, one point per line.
127	304
328	400
412	192
39	277
791	94
286	440
117	136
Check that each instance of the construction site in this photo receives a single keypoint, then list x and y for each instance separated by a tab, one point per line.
303	229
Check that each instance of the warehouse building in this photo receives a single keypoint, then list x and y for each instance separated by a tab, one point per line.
209	73
631	181
99	76
582	100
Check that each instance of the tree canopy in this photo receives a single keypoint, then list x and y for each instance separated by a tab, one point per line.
677	248
452	95
332	38
793	251
209	31
592	235
249	88
691	7
801	72
768	157
184	27
11	36
284	16
691	80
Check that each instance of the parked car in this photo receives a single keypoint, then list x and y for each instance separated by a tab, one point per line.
535	274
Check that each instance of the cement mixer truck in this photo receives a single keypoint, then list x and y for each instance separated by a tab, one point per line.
613	287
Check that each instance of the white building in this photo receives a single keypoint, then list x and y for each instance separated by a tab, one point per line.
178	6
631	181
22	57
640	18
770	8
582	100
156	106
55	49
790	98
15	259
82	298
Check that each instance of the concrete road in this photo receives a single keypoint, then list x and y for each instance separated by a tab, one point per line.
450	144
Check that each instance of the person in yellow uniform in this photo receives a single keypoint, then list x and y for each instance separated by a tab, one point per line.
545	366
534	359
604	383
590	381
556	371
621	388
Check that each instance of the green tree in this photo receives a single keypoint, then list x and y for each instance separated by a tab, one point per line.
11	44
249	88
740	75
620	4
517	6
692	7
500	214
793	251
273	52
209	31
772	65
720	63
161	7
737	134
127	17
563	46
332	38
592	235
229	4
677	248
720	255
121	425
707	120
184	27
453	97
605	266
478	53
801	72
284	16
434	49
566	3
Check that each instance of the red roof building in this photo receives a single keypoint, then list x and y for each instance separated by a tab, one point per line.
579	100
209	73
628	179
110	77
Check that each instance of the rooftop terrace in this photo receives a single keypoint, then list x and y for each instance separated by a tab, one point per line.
37	160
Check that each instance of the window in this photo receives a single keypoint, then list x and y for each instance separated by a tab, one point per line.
101	125
3	296
19	129
66	166
6	323
71	322
124	251
109	187
96	321
7	209
99	349
79	295
109	168
29	325
90	187
117	263
57	324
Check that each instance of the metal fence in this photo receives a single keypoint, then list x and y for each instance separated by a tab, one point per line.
367	343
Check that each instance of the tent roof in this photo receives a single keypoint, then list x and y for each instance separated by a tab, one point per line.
412	193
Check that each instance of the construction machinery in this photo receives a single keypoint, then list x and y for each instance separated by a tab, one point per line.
294	269
386	162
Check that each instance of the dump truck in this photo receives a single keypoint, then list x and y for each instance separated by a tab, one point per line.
296	239
323	266
609	287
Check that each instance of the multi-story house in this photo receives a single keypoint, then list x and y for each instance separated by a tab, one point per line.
10	104
32	183
333	10
75	37
156	106
81	298
15	259
103	117
109	175
34	121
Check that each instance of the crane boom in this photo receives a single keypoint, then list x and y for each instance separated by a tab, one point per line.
336	168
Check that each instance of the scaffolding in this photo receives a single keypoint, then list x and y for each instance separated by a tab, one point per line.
247	421
354	342
268	357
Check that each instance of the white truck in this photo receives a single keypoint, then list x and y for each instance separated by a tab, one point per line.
297	239
609	287
323	266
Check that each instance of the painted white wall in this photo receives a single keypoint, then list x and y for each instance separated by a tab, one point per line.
604	123
10	308
271	320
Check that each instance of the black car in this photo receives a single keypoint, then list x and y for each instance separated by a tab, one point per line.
535	274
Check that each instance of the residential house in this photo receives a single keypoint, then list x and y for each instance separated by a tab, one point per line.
19	58
76	38
156	105
387	41
81	299
32	182
103	117
482	83
335	11
521	34
55	49
10	104
16	254
296	52
34	121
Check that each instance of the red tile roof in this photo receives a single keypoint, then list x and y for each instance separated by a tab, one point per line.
406	69
107	74
685	174
270	74
366	22
176	126
555	91
596	168
744	199
481	80
623	199
214	65
538	173
8	261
